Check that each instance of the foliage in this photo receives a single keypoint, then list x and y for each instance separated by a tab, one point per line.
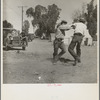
79	13
44	17
76	15
90	14
6	24
26	26
53	16
30	12
91	18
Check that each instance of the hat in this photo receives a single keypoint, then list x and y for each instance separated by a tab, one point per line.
82	20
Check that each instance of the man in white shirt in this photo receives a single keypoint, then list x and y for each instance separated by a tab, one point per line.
79	32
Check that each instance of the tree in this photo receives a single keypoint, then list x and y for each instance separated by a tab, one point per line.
45	18
30	12
26	26
91	18
39	17
76	15
53	16
6	24
95	13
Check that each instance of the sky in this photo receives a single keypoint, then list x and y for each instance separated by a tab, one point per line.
12	11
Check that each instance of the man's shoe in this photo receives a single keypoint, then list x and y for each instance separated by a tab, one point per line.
79	61
75	63
54	62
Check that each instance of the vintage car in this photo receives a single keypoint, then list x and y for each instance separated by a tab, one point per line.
12	38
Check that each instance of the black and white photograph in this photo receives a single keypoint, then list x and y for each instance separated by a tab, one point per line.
50	41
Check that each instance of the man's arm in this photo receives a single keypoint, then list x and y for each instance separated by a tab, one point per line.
85	30
64	27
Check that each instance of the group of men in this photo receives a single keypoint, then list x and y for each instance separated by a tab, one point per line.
79	32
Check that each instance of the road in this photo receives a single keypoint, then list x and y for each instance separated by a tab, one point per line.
35	65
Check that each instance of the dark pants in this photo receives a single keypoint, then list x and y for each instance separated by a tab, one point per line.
58	44
76	41
25	39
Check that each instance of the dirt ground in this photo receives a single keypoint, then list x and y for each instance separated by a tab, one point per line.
35	65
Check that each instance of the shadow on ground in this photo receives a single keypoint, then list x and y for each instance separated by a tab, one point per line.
61	60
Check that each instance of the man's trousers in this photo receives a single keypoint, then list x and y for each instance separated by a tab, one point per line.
76	41
58	43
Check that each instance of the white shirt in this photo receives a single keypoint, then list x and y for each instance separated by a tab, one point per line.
58	31
80	28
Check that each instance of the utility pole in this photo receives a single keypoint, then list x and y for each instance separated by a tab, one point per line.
22	7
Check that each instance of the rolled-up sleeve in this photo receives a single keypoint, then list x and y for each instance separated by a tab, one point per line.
85	30
64	27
